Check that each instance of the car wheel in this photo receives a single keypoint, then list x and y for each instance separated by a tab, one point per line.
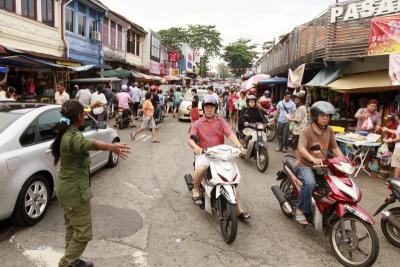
112	158
32	201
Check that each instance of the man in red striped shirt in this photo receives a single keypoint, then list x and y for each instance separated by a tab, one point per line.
211	131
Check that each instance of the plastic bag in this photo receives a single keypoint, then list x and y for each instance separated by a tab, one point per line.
383	149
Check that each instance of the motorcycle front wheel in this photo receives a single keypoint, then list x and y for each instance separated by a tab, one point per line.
354	242
391	233
271	133
228	220
262	159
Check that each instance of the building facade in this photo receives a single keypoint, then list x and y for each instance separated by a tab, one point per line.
82	30
152	53
32	25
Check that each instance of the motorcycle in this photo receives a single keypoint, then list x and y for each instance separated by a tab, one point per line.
390	222
270	128
335	209
218	188
122	120
256	144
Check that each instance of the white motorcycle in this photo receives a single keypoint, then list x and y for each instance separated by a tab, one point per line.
218	188
256	144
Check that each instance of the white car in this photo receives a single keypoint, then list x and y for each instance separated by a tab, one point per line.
186	104
27	172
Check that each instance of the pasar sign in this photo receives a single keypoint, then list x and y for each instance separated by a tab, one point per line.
364	9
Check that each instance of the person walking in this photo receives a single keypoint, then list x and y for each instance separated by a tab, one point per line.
83	96
61	96
241	103
97	102
148	119
233	116
299	118
395	160
71	149
170	101
161	105
285	109
135	95
177	100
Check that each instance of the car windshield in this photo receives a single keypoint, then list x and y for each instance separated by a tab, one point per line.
189	95
7	118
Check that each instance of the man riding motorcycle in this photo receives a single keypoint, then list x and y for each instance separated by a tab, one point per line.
124	99
318	133
211	130
250	114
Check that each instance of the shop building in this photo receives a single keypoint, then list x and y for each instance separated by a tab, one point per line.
152	53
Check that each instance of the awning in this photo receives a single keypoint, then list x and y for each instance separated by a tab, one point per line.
374	81
325	76
3	69
120	73
271	81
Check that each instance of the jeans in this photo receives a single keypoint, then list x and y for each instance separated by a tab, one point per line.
283	134
307	177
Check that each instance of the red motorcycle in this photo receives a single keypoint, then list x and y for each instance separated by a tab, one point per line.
336	212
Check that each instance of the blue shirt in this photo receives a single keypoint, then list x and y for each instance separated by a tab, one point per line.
161	97
282	107
135	93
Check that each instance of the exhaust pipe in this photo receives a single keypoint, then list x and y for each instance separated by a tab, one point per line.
280	196
389	217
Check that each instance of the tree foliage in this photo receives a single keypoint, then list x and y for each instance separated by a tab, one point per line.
174	37
240	55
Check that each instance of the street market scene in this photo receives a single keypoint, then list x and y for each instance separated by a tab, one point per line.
208	133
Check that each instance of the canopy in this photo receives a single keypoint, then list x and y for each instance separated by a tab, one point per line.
325	76
374	81
271	81
254	80
171	78
120	73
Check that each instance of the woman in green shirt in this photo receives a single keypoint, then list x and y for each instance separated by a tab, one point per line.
71	148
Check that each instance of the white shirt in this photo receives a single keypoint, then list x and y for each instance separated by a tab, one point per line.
135	93
84	97
61	98
2	94
98	98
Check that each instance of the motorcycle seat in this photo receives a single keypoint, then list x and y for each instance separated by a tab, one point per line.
290	161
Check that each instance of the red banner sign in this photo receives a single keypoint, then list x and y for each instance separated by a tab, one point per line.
384	37
173	56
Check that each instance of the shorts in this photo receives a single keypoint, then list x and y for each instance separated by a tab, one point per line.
395	161
135	107
201	160
176	104
148	123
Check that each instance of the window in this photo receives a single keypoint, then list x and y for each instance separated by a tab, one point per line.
47	12
28	8
69	18
92	23
119	40
104	34
47	124
82	20
137	44
113	33
29	136
7	5
155	48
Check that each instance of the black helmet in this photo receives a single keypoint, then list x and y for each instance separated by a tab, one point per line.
249	98
301	95
209	100
322	107
267	93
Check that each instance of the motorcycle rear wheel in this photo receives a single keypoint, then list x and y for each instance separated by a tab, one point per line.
228	220
287	189
390	232
262	159
352	246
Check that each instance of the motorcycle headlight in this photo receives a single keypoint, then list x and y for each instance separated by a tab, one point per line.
346	168
260	127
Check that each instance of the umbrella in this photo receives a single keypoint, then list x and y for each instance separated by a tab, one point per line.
243	86
253	81
169	78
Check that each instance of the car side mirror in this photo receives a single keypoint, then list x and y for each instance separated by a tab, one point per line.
102	125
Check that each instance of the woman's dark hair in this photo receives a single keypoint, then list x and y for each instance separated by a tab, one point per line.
70	110
148	95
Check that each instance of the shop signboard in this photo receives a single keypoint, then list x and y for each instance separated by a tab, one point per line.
173	56
394	69
155	67
175	72
384	36
295	77
363	9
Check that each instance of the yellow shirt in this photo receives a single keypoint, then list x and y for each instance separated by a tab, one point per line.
148	109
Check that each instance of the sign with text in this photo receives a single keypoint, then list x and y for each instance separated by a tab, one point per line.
155	67
384	36
173	56
363	9
295	77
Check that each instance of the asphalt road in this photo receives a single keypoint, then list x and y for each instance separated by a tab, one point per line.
143	216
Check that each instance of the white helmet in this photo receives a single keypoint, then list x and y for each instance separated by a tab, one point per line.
124	88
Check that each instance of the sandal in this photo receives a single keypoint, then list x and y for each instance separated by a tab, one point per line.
244	216
155	141
197	201
301	219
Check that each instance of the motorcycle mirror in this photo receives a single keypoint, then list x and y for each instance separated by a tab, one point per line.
315	147
195	138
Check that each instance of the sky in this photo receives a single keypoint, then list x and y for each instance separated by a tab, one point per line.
258	20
